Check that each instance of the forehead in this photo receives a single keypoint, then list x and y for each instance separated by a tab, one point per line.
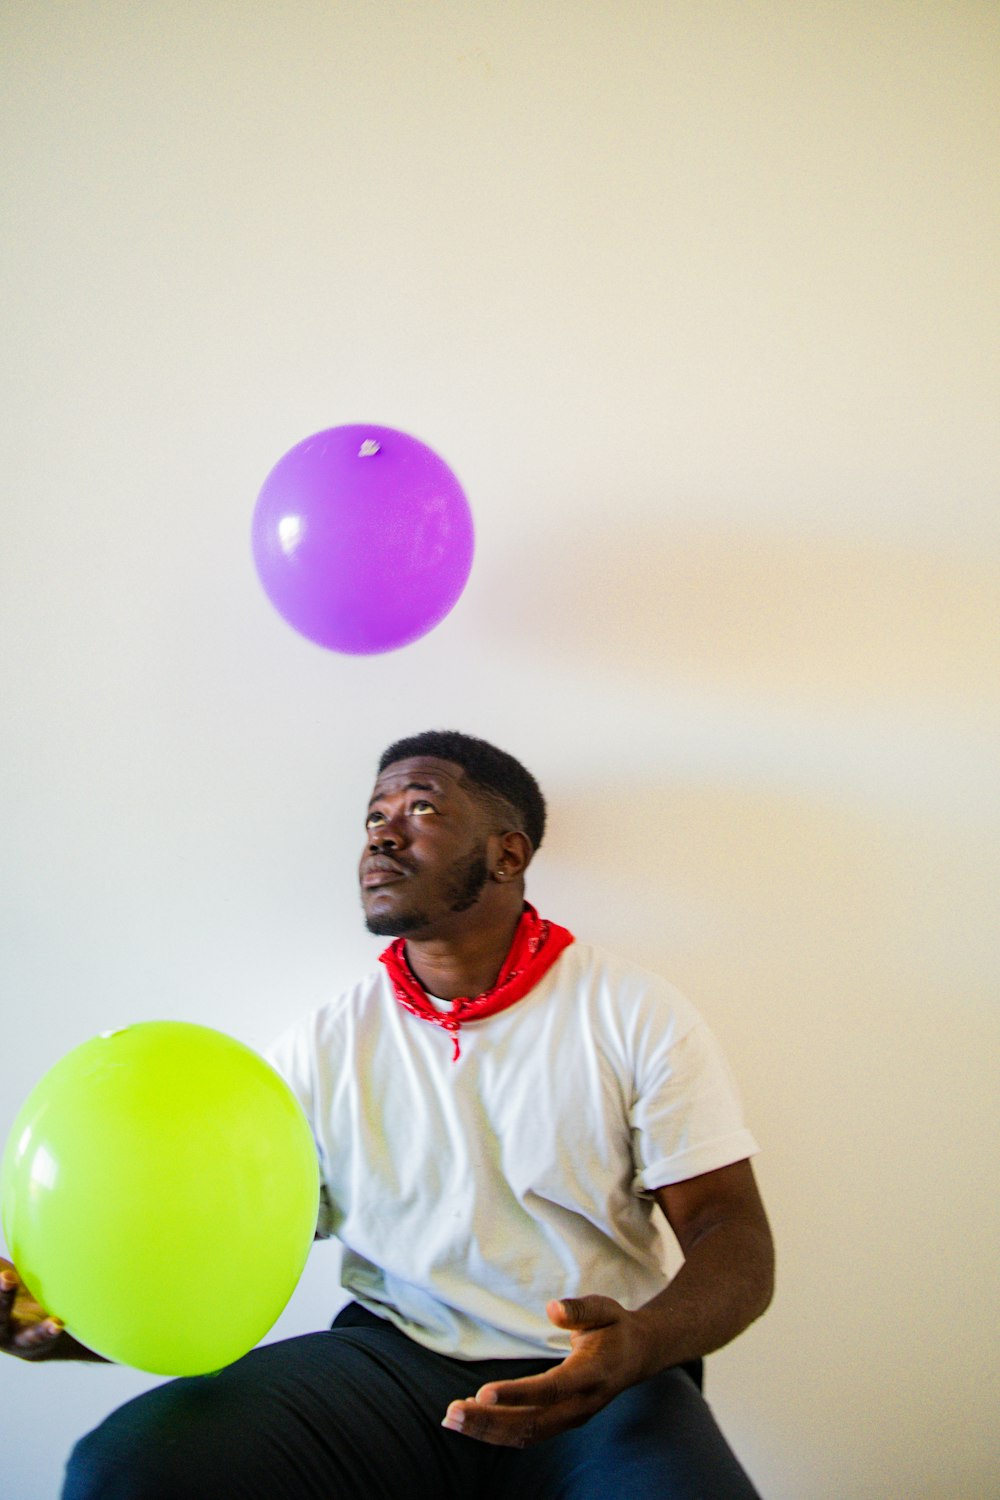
423	773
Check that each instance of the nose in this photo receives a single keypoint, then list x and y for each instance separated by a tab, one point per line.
385	836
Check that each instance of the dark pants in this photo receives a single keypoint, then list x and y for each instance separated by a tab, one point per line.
355	1413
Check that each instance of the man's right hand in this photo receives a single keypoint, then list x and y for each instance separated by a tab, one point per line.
26	1329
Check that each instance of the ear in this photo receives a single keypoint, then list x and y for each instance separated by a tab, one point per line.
511	854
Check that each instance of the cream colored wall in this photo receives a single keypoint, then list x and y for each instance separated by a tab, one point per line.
700	301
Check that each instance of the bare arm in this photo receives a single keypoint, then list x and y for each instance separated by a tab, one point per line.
727	1279
26	1329
725	1283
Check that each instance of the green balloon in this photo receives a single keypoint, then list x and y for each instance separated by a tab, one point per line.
159	1190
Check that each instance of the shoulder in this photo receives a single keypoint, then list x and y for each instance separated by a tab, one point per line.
297	1049
617	990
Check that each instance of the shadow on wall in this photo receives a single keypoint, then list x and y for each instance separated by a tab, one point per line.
817	617
790	911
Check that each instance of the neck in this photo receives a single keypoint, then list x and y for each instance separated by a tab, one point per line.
466	962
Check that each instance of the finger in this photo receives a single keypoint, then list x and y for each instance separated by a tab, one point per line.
38	1334
16	1293
531	1390
584	1312
495	1425
513	1427
8	1291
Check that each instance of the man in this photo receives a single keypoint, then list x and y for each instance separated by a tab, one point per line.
496	1111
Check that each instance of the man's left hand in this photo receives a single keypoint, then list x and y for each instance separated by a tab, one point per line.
609	1352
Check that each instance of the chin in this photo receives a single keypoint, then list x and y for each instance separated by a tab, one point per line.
394	924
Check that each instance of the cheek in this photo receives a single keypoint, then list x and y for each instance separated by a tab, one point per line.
435	850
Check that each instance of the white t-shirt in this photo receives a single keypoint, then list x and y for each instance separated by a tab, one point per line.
469	1193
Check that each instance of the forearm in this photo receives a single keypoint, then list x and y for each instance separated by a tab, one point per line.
725	1283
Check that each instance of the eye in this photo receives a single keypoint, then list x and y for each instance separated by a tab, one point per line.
421	806
374	819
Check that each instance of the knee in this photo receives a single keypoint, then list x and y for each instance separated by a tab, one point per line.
128	1459
103	1466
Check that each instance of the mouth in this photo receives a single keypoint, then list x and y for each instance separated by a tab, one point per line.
382	872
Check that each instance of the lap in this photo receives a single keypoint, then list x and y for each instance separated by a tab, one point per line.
351	1412
355	1412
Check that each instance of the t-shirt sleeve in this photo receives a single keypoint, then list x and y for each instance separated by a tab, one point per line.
687	1117
290	1056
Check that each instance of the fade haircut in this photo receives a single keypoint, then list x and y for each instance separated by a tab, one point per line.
491	771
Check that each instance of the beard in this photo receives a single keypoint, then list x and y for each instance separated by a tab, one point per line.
466	880
463	886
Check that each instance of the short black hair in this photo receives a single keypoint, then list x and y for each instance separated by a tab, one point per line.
490	769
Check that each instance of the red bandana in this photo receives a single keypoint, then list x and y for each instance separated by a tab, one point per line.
536	946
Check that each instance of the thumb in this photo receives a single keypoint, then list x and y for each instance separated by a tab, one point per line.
584	1312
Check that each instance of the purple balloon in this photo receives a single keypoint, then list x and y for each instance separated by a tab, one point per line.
362	537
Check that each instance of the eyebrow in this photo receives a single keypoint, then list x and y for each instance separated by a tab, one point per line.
411	786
